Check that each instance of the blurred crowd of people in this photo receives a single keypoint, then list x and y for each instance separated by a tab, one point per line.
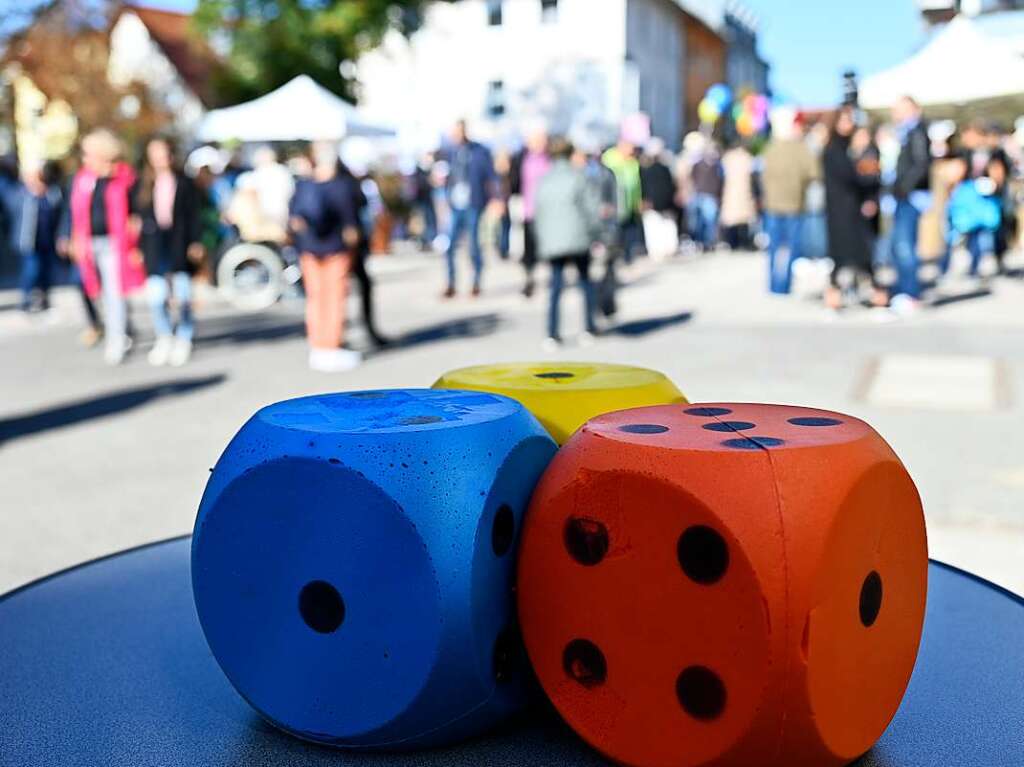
873	202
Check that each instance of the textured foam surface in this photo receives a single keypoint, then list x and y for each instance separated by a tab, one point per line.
105	665
564	395
353	559
760	572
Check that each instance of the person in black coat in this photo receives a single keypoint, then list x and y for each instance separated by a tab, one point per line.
361	254
851	189
166	209
911	190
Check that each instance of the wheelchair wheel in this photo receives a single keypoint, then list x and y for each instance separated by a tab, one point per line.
250	276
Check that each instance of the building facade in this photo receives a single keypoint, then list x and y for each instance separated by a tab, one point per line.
581	65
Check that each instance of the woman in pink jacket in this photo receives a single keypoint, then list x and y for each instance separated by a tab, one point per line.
104	244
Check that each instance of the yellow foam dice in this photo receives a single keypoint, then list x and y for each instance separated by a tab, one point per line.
565	395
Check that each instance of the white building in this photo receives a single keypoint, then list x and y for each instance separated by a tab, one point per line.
579	64
155	48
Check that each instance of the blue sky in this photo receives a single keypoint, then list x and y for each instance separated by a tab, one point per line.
811	42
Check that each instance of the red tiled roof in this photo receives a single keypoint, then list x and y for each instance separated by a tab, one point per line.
191	56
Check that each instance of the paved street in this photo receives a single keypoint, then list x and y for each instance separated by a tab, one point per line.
94	459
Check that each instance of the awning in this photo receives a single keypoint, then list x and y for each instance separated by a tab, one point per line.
300	110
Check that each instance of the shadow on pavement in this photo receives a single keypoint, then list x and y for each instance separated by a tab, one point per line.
100	407
247	329
650	325
476	326
960	297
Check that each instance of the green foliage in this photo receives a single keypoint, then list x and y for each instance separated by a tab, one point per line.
268	42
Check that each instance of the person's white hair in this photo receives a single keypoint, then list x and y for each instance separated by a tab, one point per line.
694	142
655	147
264	155
103	143
783	121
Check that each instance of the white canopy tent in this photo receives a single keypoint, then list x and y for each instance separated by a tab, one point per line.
958	71
300	110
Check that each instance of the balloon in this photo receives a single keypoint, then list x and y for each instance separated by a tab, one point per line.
737	110
720	95
708	112
750	103
745	125
761	105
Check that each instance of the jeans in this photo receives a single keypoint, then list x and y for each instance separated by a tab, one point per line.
429	213
706	230
36	273
980	243
158	291
904	249
115	306
813	236
582	264
783	232
631	237
466	221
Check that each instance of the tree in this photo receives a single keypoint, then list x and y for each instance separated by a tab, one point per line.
268	42
63	47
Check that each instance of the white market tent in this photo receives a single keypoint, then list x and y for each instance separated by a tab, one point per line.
960	70
300	110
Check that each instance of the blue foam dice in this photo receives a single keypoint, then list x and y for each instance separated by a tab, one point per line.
353	564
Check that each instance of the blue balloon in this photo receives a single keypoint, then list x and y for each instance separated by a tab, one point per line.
721	95
353	564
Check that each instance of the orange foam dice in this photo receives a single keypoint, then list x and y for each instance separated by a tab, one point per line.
725	585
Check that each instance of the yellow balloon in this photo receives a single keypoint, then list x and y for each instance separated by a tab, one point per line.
565	395
708	112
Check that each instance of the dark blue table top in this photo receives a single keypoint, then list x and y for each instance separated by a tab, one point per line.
105	664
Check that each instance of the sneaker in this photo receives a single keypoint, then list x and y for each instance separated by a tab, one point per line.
448	293
334	360
551	345
904	306
586	340
181	352
161	351
115	352
476	291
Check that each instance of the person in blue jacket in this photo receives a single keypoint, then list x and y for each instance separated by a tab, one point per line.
471	186
33	209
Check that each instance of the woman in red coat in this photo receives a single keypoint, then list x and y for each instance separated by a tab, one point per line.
103	243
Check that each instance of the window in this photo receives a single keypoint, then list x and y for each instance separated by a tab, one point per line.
549	10
494	13
495	103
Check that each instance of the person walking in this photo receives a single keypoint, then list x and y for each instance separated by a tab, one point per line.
850	203
423	200
471	187
658	190
166	207
788	166
567	225
911	191
621	160
103	244
707	195
366	201
33	209
324	225
602	188
527	169
739	208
